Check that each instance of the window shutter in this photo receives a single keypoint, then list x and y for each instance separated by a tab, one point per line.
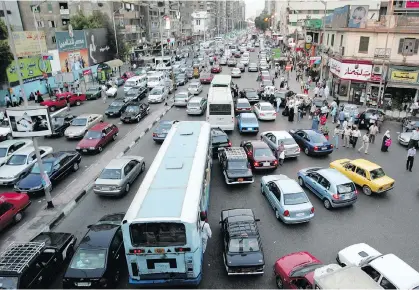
401	43
415	51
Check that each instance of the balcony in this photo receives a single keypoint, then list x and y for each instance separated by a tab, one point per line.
65	12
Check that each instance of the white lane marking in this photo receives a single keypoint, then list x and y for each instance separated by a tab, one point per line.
120	155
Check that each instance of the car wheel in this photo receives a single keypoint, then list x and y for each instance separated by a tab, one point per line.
367	190
127	188
100	149
70	253
61	134
138	119
327	204
301	181
75	167
18	217
78	103
277	215
279	282
9	137
52	109
114	137
142	167
306	151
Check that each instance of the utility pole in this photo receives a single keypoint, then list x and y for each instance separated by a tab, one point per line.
323	37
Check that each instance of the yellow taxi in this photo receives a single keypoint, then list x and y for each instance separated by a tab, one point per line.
370	176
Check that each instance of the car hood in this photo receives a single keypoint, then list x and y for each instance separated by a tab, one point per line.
100	181
75	130
338	163
405	136
128	114
235	173
11	170
84	274
113	109
4	131
155	96
351	255
245	259
85	143
31	180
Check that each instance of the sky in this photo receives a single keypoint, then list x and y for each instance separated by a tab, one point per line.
253	7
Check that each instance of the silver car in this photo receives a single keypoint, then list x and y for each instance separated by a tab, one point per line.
182	97
158	94
196	106
80	125
274	139
116	178
9	147
195	88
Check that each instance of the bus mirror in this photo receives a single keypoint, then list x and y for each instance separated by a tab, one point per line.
257	220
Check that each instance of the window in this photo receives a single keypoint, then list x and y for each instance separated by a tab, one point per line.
220	109
371	272
363	44
325	183
117	240
361	172
53	39
4	207
408	46
316	12
198	21
35	9
40	23
65	21
341	40
332	42
386	284
49	5
327	39
158	234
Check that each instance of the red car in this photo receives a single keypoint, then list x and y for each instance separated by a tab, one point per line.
60	100
251	49
12	205
127	75
206	78
296	271
98	137
216	69
259	155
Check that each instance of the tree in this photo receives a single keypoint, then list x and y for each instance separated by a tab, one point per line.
262	22
6	56
101	20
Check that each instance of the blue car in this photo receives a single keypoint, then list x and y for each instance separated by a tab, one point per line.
312	142
247	123
162	129
328	184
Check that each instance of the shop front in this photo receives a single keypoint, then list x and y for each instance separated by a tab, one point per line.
373	89
402	86
349	79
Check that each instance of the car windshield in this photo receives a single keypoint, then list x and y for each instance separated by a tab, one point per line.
47	167
193	104
377	173
4	124
86	259
17	160
132	109
9	282
3	152
244	244
266	108
164	126
132	92
295	198
79	122
205	76
236	70
58	121
93	135
304	269
130	84
237	164
345	188
180	77
263	152
153	79
317	138
110	174
156	91
181	96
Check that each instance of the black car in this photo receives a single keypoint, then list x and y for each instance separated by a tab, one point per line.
235	166
135	94
181	80
60	123
100	256
242	247
241	67
363	119
37	263
116	108
57	165
134	112
250	94
219	139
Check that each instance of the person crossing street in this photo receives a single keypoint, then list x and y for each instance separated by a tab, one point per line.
411	153
365	143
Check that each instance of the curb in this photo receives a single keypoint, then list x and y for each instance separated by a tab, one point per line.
69	207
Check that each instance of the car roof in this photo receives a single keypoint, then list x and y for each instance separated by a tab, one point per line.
8	143
288	185
87	115
333	175
249	89
26	150
99	236
100	126
166	122
56	155
196	99
310	132
265	104
365	164
280	134
242	100
117	163
258	144
158	87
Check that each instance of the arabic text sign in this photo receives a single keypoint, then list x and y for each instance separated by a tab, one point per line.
97	44
404	76
67	43
27	44
412	4
33	68
351	71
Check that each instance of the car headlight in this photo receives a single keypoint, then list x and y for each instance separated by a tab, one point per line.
77	148
92	148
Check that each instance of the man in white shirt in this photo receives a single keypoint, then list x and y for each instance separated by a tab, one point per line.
411	153
316	91
414	139
365	143
206	232
373	118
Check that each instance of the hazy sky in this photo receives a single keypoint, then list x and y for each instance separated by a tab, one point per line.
253	6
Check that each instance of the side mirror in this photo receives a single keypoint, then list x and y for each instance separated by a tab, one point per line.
257	220
89	226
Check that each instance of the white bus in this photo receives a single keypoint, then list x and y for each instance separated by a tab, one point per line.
220	110
162	238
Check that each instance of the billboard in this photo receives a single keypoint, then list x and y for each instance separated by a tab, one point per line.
74	60
32	69
340	17
350	71
412	4
67	42
27	44
97	45
358	16
328	20
29	122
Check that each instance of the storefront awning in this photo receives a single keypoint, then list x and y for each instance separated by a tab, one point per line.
402	85
114	63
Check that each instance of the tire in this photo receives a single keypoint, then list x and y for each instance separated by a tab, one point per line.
18	217
327	204
301	181
366	190
114	137
306	151
142	167
52	109
261	190
127	188
9	137
75	167
78	103
279	283
100	149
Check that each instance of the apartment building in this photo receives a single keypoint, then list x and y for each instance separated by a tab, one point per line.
13	13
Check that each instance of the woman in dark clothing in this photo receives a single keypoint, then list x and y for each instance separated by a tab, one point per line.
291	114
386	142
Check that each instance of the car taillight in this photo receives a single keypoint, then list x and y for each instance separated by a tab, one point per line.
154	135
356	191
298	149
275	114
312	210
229	144
286	213
262	114
331	145
316	148
276	162
335	196
255	164
179	250
137	251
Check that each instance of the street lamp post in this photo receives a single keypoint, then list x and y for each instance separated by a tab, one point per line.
323	37
114	31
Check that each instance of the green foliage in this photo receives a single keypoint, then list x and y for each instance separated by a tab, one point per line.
260	22
100	20
6	56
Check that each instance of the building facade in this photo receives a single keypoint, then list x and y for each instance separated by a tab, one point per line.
13	13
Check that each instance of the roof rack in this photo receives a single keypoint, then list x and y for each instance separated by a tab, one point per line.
243	228
18	255
235	153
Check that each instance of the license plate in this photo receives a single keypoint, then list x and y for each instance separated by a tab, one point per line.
84	284
110	114
345	196
266	164
240	180
84	150
106	188
159	251
324	148
160	135
250	129
300	214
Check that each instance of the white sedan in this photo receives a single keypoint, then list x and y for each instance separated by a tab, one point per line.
112	92
265	111
195	88
356	254
158	94
236	73
81	124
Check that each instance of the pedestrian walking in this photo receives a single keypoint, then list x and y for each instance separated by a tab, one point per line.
414	139
14	101
346	136
104	94
291	113
68	103
8	101
386	142
315	122
365	142
411	153
316	91
355	136
336	134
300	113
206	232
373	132
281	157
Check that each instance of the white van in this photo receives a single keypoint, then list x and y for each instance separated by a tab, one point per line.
137	81
155	80
220	112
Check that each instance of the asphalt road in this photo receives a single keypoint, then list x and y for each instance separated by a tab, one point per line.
386	222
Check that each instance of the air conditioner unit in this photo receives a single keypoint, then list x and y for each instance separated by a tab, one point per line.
377	70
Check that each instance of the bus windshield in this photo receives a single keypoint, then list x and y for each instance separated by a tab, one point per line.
158	234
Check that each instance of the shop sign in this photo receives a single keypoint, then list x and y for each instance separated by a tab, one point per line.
65	42
27	43
412	4
375	78
31	69
404	76
350	71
